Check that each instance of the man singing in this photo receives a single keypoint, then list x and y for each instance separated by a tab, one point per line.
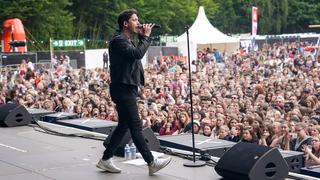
127	74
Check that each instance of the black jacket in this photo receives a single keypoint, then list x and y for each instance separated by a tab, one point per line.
306	141
125	60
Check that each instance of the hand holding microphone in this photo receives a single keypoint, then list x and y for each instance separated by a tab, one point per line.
155	26
145	29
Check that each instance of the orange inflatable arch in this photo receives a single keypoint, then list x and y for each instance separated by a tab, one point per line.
13	31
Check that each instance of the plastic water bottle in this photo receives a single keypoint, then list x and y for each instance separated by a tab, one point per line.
133	151
127	152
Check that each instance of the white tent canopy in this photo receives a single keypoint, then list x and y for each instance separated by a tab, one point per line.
202	35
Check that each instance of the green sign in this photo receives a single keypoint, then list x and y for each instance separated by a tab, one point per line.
68	43
168	39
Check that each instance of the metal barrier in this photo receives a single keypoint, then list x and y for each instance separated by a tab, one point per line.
14	67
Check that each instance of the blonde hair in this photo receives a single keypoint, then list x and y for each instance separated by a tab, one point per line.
224	128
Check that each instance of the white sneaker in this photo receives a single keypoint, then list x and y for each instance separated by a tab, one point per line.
108	166
158	164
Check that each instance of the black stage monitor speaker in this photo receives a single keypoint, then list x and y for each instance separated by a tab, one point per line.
150	138
90	124
247	161
294	159
12	115
53	118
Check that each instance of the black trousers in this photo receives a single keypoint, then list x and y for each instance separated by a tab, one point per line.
124	96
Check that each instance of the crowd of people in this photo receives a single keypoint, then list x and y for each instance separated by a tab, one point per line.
268	97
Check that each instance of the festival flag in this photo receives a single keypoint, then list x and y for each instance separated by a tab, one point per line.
254	26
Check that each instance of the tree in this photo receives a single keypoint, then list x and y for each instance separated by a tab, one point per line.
183	16
185	13
265	13
279	16
301	14
96	20
41	19
226	19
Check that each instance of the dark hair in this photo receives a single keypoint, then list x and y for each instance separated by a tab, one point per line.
251	131
288	106
125	16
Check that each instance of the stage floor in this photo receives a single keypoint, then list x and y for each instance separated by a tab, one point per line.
29	154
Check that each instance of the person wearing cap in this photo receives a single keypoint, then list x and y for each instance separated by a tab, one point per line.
196	126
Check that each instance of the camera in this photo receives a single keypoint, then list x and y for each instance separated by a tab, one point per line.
293	135
157	90
288	106
67	78
91	87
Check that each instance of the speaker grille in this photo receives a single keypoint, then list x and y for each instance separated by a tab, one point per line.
19	117
271	170
12	115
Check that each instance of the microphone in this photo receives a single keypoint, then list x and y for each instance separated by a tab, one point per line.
155	26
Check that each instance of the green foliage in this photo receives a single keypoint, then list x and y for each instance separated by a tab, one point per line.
265	11
301	14
96	20
41	18
184	14
279	16
231	16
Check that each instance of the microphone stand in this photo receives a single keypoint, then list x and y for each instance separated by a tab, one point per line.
194	163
